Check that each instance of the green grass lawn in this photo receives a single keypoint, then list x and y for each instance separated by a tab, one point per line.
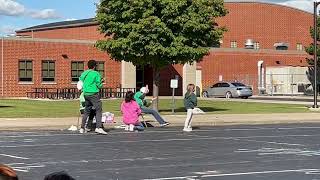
39	108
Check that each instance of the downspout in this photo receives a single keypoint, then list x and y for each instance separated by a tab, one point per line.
2	73
260	77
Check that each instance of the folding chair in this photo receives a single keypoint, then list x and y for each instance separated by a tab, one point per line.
144	122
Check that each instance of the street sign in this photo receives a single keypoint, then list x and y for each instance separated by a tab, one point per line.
174	83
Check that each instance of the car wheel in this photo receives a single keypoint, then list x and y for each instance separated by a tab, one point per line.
205	94
228	95
244	97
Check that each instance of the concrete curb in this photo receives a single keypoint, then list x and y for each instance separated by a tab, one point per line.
175	120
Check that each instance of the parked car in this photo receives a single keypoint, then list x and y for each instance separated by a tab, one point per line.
228	90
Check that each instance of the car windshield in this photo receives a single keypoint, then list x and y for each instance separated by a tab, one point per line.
238	84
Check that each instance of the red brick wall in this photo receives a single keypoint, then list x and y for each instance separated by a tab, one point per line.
38	51
265	23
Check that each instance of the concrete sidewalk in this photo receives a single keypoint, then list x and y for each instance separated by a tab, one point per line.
175	120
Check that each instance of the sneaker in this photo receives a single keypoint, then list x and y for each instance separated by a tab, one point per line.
81	131
188	129
100	131
126	128
164	124
131	127
87	130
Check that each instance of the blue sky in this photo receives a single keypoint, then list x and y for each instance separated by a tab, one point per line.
18	14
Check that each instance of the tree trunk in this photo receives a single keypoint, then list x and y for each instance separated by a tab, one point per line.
156	83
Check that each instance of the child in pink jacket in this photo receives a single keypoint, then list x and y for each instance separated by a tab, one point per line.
130	113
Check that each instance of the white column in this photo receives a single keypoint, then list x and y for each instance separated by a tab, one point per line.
189	75
128	75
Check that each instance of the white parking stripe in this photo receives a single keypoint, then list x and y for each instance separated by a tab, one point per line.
12	156
261	172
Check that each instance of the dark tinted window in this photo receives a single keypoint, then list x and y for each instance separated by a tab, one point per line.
77	67
48	70
215	85
225	85
238	84
25	70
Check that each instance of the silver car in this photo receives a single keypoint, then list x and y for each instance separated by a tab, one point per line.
228	90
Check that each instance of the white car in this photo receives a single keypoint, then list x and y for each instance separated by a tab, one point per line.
228	90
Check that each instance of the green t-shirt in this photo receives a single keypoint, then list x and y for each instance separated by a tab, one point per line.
91	82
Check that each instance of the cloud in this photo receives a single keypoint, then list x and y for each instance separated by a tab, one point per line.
306	5
7	30
44	14
70	19
13	8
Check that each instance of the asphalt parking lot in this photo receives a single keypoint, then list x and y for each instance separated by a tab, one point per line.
290	152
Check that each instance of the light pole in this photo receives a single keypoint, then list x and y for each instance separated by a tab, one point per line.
315	29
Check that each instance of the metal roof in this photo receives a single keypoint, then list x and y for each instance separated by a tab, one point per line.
61	24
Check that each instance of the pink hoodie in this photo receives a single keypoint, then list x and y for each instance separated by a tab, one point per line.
130	112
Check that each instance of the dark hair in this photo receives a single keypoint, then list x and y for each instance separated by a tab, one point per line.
129	96
92	64
7	173
58	176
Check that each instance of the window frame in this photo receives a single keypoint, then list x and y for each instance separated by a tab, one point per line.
233	44
299	47
79	71
48	78
25	69
98	70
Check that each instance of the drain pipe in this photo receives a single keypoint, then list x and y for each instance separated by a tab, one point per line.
260	77
2	55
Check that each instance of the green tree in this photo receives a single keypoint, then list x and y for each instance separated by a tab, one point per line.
310	60
159	32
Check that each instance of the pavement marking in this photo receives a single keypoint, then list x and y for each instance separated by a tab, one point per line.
306	171
270	142
163	166
262	172
26	167
177	177
278	151
12	156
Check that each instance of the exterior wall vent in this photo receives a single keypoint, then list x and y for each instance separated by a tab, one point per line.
249	44
281	46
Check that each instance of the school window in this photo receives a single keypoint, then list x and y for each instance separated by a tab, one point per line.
100	68
299	47
77	67
25	70
234	44
48	71
256	45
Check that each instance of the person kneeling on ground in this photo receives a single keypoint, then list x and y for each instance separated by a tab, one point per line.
131	112
58	176
140	99
7	173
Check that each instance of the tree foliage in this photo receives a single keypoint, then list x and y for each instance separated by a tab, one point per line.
159	32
